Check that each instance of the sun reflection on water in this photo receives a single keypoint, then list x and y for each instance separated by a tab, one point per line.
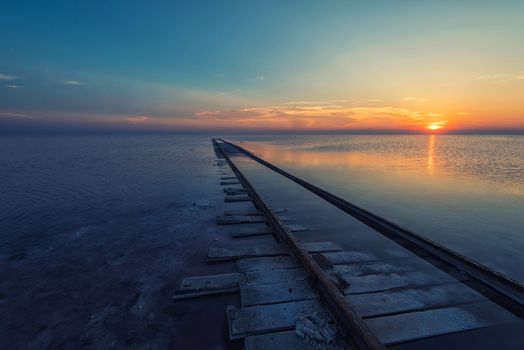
475	161
431	154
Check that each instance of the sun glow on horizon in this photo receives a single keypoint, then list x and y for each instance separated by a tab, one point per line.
435	126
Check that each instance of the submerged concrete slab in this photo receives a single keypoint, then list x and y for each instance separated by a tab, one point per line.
207	285
358	256
225	183
266	263
269	318
240	219
288	340
391	302
242	212
251	232
273	276
237	198
376	283
243	219
247	251
348	257
295	228
383	267
422	324
233	191
507	336
268	249
276	293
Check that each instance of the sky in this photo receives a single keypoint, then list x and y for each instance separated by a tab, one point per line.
261	65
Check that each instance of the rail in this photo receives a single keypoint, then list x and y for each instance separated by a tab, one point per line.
357	332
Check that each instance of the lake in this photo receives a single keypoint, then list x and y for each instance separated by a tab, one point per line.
96	230
463	191
95	233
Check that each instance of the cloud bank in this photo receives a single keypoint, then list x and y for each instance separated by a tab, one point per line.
500	78
305	115
73	82
8	77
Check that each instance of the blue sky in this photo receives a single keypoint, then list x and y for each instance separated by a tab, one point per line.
369	64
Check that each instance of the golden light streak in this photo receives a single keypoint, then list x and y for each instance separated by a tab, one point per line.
431	154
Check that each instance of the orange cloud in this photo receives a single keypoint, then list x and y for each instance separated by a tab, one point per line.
318	116
138	119
502	78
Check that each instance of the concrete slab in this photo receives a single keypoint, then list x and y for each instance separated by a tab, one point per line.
288	340
348	257
383	267
276	293
506	336
242	212
269	318
233	191
265	231
376	283
240	219
269	249
225	183
252	232
272	276
236	198
382	303
422	324
247	251
192	287
266	263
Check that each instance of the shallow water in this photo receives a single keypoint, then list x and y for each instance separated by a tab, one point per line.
70	185
96	232
466	192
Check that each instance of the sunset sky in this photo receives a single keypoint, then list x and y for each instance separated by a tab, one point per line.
144	65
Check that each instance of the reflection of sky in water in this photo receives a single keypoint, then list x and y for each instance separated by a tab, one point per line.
496	158
464	191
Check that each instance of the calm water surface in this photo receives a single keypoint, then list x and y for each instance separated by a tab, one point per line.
466	192
69	186
95	232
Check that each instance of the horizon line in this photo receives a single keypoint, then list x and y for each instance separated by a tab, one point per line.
226	131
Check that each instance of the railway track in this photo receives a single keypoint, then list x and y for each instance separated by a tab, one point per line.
318	295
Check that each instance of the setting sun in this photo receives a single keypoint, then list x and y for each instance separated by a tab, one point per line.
434	126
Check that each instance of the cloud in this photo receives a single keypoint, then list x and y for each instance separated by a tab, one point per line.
500	78
8	77
304	103
325	103
224	93
138	119
317	116
14	86
14	115
415	99
73	82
